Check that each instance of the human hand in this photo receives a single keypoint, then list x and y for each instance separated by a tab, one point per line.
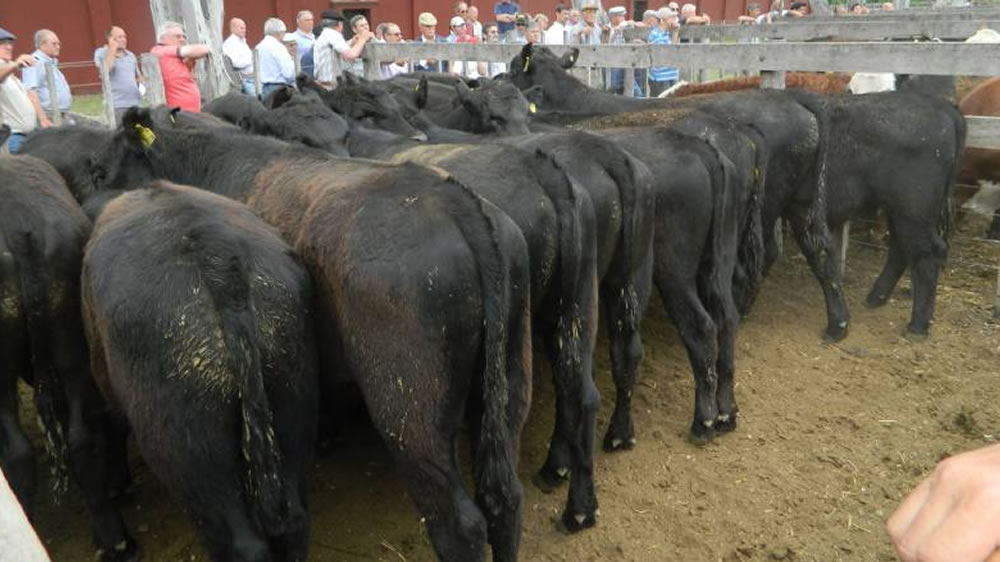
25	61
44	122
952	515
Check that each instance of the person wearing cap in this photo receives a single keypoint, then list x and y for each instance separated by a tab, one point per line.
460	34
177	58
586	32
277	68
240	56
615	35
331	51
662	77
16	109
304	39
556	33
123	71
428	34
47	47
519	36
505	11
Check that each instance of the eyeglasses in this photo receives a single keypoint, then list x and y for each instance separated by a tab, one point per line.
392	33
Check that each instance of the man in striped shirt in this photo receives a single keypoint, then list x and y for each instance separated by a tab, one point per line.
662	77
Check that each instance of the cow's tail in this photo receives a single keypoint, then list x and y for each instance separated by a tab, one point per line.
721	173
633	180
750	258
228	281
946	217
820	109
49	398
506	332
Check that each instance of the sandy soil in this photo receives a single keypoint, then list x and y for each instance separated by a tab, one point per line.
830	438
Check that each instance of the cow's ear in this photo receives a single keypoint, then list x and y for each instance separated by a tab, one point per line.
137	124
569	58
534	95
422	92
463	92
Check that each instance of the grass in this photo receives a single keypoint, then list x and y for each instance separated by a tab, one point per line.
90	105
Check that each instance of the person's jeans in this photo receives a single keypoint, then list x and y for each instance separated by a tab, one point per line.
266	89
246	86
14	142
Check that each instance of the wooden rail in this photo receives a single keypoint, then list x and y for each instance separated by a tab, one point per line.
906	58
842	29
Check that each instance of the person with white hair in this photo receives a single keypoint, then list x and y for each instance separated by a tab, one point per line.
304	39
689	16
177	58
47	47
240	56
277	69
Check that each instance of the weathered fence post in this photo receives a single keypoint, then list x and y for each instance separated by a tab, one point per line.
202	21
372	66
109	101
153	79
628	82
50	83
773	79
258	88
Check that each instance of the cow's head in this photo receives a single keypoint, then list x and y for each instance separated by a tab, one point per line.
306	120
540	67
498	107
123	161
368	102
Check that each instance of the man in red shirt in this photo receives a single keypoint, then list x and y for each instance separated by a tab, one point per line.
177	59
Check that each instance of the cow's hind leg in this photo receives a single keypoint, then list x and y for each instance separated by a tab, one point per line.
813	237
895	265
700	337
728	322
926	254
623	304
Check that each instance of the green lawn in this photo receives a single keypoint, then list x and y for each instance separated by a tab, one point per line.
90	105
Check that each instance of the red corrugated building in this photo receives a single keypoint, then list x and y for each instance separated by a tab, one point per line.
91	18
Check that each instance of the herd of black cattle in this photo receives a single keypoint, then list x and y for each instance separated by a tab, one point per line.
217	323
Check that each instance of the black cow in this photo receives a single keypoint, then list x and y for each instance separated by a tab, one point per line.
792	126
493	106
198	317
422	291
365	101
42	235
557	220
300	119
700	213
897	152
66	148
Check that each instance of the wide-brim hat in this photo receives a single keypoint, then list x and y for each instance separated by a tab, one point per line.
588	6
427	18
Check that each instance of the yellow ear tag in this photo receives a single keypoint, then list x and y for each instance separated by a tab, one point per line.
146	135
532	107
527	64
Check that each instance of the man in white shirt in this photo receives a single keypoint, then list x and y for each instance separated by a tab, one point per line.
556	33
16	108
235	47
327	66
277	69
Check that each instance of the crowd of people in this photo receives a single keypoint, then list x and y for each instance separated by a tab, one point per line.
324	50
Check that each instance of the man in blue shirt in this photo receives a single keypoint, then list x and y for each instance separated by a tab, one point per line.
304	39
47	46
662	77
505	10
123	71
277	69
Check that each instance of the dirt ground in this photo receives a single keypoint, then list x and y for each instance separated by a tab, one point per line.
830	438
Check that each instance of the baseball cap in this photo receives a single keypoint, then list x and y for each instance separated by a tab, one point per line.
521	19
616	11
457	20
334	15
427	18
6	35
588	6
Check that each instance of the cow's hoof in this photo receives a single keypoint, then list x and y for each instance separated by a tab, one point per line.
875	300
916	336
701	433
574	523
126	551
836	333
614	442
547	480
725	423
